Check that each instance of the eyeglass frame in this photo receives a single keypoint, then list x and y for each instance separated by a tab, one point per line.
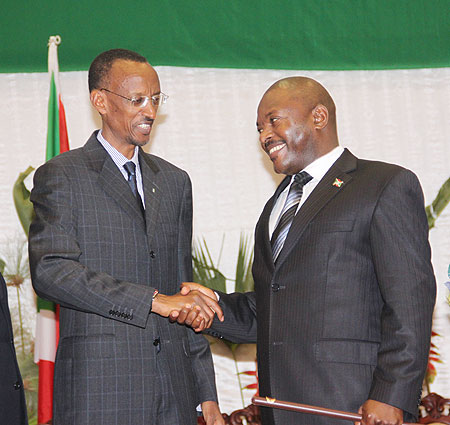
163	98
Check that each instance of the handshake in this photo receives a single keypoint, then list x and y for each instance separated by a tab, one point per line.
194	306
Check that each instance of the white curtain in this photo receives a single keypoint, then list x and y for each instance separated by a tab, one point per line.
208	128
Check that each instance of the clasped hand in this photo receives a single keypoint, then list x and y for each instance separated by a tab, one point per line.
192	308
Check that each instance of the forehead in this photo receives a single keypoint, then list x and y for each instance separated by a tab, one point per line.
279	99
133	76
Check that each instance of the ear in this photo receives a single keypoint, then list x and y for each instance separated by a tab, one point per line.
99	101
320	117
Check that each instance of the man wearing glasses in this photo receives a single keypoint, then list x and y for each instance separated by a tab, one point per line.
111	243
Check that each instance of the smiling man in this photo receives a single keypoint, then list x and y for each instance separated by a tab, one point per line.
344	287
111	243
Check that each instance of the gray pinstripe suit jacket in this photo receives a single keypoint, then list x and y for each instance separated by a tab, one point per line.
91	252
345	314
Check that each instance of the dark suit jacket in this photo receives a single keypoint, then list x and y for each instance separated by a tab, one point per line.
13	410
345	314
91	252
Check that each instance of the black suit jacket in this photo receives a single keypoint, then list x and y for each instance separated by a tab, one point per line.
345	313
13	409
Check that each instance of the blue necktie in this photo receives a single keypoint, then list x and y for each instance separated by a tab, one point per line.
130	168
287	214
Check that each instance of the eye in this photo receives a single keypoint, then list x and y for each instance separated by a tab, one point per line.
156	99
273	120
139	100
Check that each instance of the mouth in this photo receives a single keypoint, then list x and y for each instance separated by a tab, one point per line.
272	148
145	127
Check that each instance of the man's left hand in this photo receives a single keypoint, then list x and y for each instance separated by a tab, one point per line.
377	413
211	413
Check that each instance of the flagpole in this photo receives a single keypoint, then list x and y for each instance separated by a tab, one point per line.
47	321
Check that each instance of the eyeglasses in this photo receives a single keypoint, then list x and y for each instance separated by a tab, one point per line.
142	101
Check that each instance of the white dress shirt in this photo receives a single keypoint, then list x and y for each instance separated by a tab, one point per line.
317	169
120	160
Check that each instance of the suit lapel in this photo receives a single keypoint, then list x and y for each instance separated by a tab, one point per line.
152	192
111	179
332	183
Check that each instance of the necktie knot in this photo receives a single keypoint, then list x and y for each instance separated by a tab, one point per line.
130	168
301	178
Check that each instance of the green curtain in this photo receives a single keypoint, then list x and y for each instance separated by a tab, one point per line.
289	34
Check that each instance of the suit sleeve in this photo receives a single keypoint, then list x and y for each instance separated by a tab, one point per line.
202	363
401	257
240	324
57	274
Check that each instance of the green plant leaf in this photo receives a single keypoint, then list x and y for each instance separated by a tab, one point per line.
244	279
440	202
204	270
21	196
207	273
233	346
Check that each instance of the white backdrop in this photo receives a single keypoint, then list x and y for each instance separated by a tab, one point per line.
208	128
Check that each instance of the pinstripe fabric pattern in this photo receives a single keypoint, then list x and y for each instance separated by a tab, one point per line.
345	313
288	212
91	251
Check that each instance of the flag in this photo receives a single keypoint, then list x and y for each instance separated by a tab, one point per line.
47	322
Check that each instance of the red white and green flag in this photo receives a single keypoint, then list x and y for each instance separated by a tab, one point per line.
47	323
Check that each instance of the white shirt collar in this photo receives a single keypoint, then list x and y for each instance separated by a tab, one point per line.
319	167
118	158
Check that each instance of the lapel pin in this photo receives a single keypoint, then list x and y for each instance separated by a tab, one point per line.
338	182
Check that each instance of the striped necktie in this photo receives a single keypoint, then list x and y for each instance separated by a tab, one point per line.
287	214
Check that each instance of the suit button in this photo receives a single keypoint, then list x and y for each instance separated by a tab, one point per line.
156	342
17	385
275	287
152	254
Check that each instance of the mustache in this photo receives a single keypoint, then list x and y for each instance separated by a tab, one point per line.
147	120
266	145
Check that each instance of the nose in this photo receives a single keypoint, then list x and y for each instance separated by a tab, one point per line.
149	110
265	135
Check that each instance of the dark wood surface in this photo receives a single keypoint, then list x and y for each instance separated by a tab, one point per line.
435	409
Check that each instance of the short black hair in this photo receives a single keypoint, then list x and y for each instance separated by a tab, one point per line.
102	64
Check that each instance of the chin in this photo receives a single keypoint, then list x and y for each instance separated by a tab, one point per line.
140	143
277	170
286	170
